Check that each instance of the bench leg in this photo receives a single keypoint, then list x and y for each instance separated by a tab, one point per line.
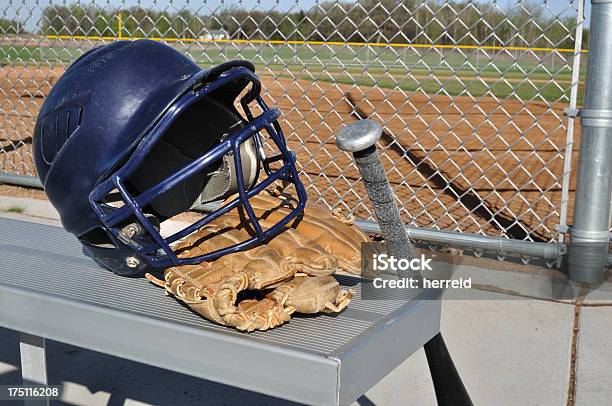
33	363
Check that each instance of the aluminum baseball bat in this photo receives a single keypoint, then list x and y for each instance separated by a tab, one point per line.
360	138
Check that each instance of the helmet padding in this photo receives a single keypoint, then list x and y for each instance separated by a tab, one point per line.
195	132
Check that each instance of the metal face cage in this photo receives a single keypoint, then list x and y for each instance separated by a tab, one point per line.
149	244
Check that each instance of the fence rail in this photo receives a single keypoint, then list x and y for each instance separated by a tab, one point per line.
472	95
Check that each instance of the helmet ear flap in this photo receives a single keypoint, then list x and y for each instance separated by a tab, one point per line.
100	238
121	260
97	237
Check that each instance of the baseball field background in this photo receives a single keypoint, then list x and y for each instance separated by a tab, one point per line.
471	94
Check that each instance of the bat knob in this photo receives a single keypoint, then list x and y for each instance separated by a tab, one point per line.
359	135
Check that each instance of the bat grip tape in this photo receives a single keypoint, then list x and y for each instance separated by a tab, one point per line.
385	209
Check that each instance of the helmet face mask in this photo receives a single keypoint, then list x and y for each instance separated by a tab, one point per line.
200	149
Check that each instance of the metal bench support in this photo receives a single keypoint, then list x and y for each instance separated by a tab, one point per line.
33	363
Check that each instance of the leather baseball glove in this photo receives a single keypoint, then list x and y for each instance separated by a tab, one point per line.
260	288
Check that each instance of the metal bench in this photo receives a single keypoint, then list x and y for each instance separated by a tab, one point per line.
49	289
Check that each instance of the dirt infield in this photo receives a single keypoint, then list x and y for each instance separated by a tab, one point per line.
480	166
22	91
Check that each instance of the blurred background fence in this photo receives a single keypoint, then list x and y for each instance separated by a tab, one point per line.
471	94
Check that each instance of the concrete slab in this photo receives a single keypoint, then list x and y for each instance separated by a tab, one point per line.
27	206
511	352
408	384
532	282
594	362
601	293
520	281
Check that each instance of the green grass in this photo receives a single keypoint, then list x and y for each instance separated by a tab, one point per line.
451	72
34	55
453	86
16	209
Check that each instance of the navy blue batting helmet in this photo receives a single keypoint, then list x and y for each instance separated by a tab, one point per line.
134	133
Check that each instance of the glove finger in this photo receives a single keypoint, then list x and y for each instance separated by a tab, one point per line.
342	300
258	315
263	265
312	294
205	290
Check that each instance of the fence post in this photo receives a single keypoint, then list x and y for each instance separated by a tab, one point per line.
590	235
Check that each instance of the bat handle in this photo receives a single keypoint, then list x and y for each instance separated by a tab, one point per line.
360	138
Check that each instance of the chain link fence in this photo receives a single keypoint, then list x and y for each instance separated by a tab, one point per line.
471	94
